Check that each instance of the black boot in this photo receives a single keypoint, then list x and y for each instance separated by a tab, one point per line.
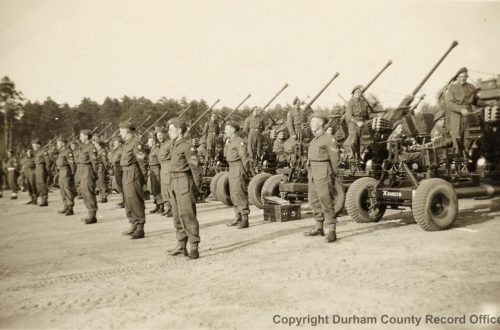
44	202
244	222
69	211
234	222
332	234
63	210
130	231
30	201
315	232
139	232
155	210
180	249
91	219
193	252
161	210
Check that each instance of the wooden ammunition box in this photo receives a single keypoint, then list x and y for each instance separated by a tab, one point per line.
281	213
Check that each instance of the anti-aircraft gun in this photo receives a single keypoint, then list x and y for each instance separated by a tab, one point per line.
421	175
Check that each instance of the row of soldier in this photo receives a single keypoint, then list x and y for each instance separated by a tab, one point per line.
173	166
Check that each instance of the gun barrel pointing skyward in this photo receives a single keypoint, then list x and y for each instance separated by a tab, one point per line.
322	90
274	97
116	131
104	129
237	107
143	122
157	121
203	114
376	77
184	111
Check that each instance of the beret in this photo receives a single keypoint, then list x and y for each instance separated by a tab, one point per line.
234	125
461	70
160	129
127	124
178	122
355	88
85	132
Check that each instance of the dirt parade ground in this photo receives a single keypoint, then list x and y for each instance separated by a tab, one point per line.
59	273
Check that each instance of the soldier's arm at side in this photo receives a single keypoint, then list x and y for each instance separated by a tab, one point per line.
193	162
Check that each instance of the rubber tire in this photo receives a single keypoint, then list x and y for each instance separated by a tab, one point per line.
255	189
428	192
222	191
354	204
272	186
339	197
213	183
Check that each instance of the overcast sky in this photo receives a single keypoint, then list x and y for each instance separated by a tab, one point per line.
226	49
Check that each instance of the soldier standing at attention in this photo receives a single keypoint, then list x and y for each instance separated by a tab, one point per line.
66	186
295	118
154	175
75	149
86	161
459	99
323	159
356	113
236	155
185	183
211	133
41	170
12	173
133	180
253	128
114	157
102	165
164	158
29	173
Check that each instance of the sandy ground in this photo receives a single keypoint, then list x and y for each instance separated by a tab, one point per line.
59	273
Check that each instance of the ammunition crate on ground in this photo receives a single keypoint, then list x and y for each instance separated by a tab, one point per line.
281	213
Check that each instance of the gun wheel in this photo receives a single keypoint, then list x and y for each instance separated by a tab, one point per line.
255	189
358	203
222	191
272	186
435	204
213	184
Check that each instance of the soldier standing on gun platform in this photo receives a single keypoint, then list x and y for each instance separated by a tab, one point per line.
211	133
236	155
41	171
253	128
12	173
185	183
323	159
133	180
154	175
355	115
164	158
86	169
66	186
295	118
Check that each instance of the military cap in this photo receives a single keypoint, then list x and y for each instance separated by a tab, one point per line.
461	70
127	124
234	125
355	88
36	141
85	132
160	129
177	122
438	115
296	100
321	115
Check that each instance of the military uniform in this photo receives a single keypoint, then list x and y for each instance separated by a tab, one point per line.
102	177
86	160
357	110
322	159
279	150
115	157
133	182
155	179
164	157
236	155
253	127
29	173
185	182
13	167
211	133
66	185
294	120
41	172
459	97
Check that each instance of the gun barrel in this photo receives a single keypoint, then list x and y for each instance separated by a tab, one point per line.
322	90
204	113
156	122
275	96
239	105
184	111
143	122
376	77
104	129
419	86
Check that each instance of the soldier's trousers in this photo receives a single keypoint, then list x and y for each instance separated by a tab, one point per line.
210	144
254	146
183	199
133	194
321	192
41	182
165	180
238	188
87	177
12	180
456	124
353	140
66	186
155	179
101	181
30	182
